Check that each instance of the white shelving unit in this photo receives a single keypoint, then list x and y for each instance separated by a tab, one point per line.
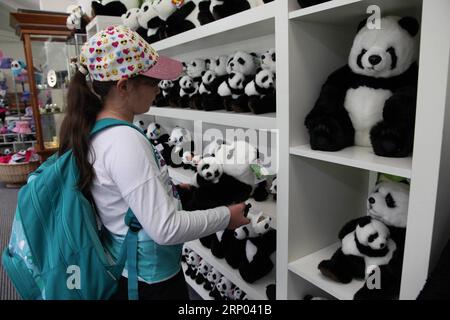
318	192
101	22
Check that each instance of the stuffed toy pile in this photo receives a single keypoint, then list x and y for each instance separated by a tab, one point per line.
373	243
371	102
23	156
219	287
242	82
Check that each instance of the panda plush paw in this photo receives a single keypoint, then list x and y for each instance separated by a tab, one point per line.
335	268
261	194
328	135
390	142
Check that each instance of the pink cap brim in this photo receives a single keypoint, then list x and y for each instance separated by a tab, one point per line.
165	69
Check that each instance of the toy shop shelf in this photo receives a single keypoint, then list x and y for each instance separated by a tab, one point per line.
203	293
359	157
255	291
245	25
227	118
269	207
306	268
348	11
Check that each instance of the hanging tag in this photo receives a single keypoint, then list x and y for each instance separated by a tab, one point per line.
159	147
178	3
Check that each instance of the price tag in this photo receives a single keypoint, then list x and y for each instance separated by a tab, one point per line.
159	147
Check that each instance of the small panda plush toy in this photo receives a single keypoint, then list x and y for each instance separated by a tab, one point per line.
225	288
259	225
387	208
202	272
196	69
77	19
268	60
371	102
130	19
156	135
180	140
261	92
188	91
239	295
162	99
236	159
185	253
140	124
232	90
211	80
193	261
212	278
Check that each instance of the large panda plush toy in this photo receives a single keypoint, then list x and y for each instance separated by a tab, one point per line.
211	80
375	240
261	92
371	102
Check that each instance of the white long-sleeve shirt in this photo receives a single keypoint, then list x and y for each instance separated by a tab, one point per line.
127	176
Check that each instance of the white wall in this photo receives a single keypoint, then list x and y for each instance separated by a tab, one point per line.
58	6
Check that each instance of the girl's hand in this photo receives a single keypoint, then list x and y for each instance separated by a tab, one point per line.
237	216
185	186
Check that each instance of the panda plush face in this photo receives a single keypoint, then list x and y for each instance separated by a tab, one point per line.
372	233
196	68
236	80
193	259
265	79
153	131
243	62
165	84
224	286
219	65
204	268
236	157
208	77
389	203
130	18
214	276
187	83
268	60
164	9
210	169
385	52
186	251
179	136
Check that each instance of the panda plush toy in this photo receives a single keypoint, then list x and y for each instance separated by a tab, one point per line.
225	288
269	61
188	92
202	272
387	204
140	125
371	102
211	80
179	141
192	261
261	92
235	251
239	295
259	251
130	19
213	279
196	69
112	8
159	140
185	254
162	99
77	19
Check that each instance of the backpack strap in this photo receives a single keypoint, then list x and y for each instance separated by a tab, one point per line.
128	251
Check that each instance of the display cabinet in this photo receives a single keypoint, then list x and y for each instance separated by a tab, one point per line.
49	47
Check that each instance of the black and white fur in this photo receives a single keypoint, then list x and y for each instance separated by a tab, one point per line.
261	92
268	60
225	288
371	102
150	24
193	260
233	92
202	272
130	19
213	279
180	140
188	90
162	99
239	295
196	69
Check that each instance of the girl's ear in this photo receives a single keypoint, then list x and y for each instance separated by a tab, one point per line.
122	86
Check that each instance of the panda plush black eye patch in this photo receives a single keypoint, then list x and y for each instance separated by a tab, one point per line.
206	166
265	79
241	61
372	237
145	8
359	60
128	15
390	202
394	58
273	57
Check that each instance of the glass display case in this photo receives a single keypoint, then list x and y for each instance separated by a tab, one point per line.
49	47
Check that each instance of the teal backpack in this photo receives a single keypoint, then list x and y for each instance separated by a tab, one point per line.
55	251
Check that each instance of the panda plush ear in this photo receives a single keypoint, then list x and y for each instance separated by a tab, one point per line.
258	70
157	125
364	221
410	24
362	24
203	73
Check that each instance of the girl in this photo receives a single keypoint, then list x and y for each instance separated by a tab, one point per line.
119	170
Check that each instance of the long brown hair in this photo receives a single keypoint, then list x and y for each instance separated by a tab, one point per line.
83	107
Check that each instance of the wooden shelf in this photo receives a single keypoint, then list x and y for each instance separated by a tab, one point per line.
203	293
307	269
269	207
345	12
255	291
228	118
249	24
359	157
